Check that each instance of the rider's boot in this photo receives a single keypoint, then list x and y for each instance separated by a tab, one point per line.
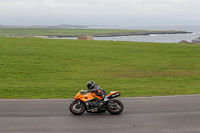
104	101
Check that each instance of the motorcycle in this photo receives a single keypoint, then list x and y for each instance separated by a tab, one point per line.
92	103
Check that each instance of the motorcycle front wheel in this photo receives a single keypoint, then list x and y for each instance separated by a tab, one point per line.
77	108
116	107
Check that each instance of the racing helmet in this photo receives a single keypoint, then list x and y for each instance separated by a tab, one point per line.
90	84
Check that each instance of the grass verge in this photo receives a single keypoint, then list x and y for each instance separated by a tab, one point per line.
42	68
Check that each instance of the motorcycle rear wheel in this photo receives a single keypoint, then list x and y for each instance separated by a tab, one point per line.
77	109
115	110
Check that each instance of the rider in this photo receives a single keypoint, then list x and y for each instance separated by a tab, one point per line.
92	87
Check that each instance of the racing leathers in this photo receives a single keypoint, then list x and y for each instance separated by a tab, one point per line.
96	89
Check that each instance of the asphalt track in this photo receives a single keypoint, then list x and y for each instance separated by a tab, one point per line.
171	114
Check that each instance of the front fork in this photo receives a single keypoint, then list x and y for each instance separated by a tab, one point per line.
78	104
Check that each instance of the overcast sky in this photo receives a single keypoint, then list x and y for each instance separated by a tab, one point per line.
99	12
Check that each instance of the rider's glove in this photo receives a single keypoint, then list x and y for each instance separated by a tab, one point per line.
85	91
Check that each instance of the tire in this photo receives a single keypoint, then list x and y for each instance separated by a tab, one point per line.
77	109
115	110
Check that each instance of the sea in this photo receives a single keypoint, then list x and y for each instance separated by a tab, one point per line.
160	38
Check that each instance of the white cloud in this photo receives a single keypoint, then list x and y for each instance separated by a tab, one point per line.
97	10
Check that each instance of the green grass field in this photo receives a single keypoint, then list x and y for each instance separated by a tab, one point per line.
42	68
72	32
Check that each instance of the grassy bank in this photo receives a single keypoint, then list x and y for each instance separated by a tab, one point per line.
78	32
40	68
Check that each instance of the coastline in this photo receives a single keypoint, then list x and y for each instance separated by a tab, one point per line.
147	33
64	33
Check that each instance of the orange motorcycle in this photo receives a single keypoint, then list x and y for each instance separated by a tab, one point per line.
92	103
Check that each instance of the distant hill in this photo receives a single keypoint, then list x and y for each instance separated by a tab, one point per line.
64	26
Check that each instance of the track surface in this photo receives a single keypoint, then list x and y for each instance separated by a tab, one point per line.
171	114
